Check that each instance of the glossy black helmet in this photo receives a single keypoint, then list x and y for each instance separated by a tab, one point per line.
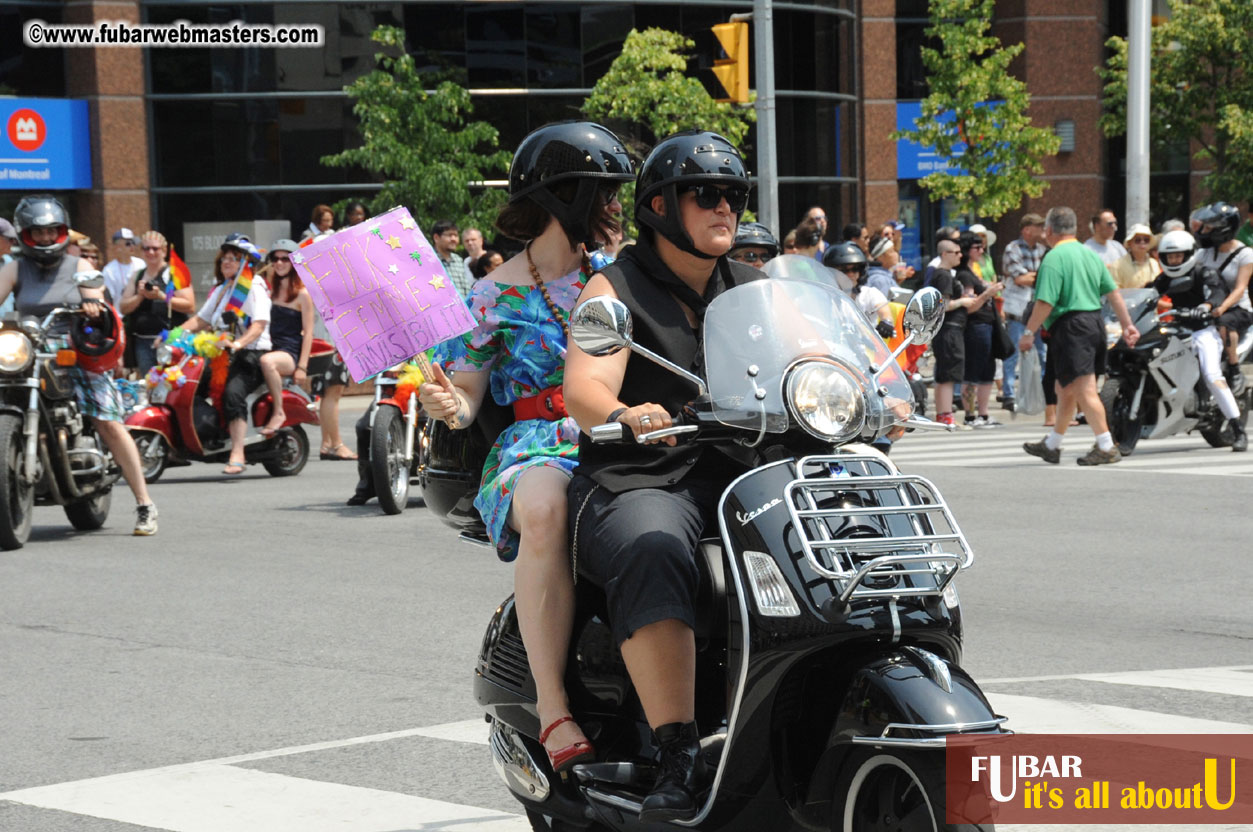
844	255
755	234
1215	224
578	151
687	158
41	211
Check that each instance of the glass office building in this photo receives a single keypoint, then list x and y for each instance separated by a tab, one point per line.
239	133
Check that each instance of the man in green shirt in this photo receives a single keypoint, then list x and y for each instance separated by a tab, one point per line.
1068	291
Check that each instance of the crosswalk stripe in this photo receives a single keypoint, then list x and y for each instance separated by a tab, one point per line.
1030	714
1230	681
223	798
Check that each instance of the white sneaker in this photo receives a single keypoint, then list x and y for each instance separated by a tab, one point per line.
146	520
986	422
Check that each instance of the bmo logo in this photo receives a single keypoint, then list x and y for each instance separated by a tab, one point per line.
27	130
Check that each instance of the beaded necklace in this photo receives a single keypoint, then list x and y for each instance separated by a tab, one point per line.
558	314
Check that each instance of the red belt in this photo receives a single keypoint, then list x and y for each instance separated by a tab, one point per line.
548	404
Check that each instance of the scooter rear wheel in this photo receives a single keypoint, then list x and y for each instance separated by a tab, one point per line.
882	790
291	448
153	453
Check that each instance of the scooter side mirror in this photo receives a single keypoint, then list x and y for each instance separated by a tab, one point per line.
601	326
924	315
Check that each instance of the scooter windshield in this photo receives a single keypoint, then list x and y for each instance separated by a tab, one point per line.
756	331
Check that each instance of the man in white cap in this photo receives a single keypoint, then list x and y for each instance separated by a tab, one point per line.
1136	269
123	264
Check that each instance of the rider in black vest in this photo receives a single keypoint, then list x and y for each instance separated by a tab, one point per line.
42	280
638	511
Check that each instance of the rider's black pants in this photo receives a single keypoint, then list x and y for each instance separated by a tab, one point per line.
640	547
243	377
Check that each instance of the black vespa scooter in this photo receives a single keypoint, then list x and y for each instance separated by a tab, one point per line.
828	627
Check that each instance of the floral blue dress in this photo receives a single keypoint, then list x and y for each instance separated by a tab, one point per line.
524	348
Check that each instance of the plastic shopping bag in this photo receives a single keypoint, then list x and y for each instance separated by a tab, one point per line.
1030	390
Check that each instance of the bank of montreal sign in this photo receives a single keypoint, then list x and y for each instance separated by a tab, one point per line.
914	161
45	144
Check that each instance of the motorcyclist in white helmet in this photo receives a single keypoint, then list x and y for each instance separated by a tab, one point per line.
1195	291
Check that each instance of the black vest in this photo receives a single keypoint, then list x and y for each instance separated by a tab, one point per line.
661	325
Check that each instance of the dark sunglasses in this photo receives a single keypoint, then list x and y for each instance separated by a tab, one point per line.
153	248
608	195
856	268
280	259
752	257
710	196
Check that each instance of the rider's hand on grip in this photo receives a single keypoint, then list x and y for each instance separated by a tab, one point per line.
646	418
439	397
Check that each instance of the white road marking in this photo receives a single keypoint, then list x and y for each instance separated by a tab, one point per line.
471	730
223	798
1230	681
1030	714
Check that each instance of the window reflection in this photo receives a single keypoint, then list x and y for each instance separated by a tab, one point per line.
495	48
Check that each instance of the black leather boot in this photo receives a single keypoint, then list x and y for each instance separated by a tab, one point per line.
683	776
1239	439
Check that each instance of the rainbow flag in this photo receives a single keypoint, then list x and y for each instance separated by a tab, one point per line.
239	293
180	275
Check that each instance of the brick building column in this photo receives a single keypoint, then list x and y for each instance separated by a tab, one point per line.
1063	84
112	81
880	196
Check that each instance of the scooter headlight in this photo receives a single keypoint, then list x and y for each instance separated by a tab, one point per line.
16	352
827	399
165	354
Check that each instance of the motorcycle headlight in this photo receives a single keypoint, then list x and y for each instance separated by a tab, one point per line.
16	353
827	400
1113	331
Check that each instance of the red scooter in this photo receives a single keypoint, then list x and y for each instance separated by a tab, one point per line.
181	424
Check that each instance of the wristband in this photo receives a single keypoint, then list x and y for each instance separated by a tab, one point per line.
613	417
1028	332
303	369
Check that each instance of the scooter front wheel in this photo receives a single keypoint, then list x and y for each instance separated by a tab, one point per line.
387	463
154	453
884	790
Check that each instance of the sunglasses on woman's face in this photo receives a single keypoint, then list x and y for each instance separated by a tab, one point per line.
280	259
751	257
608	195
709	197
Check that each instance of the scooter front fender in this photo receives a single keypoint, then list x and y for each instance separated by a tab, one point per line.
155	419
911	697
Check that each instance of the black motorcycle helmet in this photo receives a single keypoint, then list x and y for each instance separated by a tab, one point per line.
755	234
694	156
1221	218
41	211
581	151
845	255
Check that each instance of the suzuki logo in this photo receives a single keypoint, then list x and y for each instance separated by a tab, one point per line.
27	130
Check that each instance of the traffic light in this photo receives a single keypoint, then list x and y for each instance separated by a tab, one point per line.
732	71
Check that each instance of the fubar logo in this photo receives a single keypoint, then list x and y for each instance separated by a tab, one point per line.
27	130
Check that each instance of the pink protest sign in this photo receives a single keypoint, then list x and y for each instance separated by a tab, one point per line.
382	291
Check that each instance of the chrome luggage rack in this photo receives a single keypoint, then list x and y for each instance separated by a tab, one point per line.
934	546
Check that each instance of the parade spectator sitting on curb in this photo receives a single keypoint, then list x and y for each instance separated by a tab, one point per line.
1136	269
1068	291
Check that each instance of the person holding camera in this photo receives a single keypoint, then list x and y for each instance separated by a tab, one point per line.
147	304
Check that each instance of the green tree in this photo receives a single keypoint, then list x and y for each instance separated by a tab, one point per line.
646	95
974	100
421	142
1200	90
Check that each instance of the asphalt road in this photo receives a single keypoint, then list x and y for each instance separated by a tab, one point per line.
273	657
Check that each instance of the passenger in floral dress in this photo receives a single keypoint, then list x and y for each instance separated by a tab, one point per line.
563	188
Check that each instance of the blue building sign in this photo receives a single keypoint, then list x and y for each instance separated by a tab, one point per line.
913	161
45	144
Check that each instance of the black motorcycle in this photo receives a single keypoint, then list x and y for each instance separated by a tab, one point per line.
828	627
52	454
1155	389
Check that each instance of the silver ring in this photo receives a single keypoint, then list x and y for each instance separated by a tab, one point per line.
644	420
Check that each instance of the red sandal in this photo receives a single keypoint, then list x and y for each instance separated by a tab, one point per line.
564	759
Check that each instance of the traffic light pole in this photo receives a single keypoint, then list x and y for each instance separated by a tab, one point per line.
767	156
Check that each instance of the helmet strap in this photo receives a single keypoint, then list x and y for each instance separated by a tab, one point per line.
573	217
